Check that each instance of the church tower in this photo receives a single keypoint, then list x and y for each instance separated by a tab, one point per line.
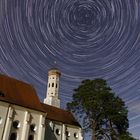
52	95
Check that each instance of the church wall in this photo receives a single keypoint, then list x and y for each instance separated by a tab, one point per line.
30	123
3	115
73	133
60	131
53	131
19	114
21	122
49	132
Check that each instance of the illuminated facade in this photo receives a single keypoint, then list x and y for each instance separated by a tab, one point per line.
24	117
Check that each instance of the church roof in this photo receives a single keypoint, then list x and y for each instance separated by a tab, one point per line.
59	115
19	93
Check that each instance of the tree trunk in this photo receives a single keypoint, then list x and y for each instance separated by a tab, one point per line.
93	136
112	131
94	131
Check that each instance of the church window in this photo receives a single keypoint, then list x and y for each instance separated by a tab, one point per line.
31	137
33	127
58	132
0	120
16	124
52	84
1	94
76	135
67	133
13	136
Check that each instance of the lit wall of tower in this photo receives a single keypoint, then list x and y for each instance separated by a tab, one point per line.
52	95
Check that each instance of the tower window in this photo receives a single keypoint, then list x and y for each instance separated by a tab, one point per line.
52	84
49	84
13	136
56	85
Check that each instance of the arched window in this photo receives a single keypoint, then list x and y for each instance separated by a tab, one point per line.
67	133
33	127
31	137
13	136
1	120
58	132
52	84
76	135
16	124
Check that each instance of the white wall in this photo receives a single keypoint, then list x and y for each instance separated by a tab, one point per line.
3	115
74	133
52	95
25	118
53	127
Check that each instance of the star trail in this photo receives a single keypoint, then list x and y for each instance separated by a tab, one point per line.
87	39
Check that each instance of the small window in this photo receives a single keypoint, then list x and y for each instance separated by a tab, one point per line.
16	124
13	136
58	132
33	127
53	77
76	135
56	85
1	94
67	133
49	84
31	137
52	84
1	120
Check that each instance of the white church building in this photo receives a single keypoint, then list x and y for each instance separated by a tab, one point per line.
24	117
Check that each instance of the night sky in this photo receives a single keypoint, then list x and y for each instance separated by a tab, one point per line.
87	39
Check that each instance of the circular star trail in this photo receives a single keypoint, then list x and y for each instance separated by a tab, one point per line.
87	39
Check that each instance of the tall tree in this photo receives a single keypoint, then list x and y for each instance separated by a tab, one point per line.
101	111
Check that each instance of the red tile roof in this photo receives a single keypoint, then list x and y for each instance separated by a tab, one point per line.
19	93
59	115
